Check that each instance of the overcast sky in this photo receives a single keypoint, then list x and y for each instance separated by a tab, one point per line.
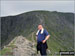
17	7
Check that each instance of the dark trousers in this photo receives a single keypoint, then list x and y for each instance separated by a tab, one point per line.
42	47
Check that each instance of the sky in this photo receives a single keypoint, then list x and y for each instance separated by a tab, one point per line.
18	7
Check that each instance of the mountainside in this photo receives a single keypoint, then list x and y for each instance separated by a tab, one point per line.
59	25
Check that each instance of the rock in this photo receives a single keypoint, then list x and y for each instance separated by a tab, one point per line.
48	51
25	47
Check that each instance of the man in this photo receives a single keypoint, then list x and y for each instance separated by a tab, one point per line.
42	36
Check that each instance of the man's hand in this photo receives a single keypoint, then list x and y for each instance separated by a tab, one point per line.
44	41
47	37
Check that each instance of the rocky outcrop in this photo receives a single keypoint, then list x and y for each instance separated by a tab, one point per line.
23	47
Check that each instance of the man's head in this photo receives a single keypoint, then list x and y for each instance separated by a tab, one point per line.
40	27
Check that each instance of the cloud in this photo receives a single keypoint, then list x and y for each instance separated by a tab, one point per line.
17	7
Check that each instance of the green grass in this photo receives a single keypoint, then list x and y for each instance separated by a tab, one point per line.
12	44
6	51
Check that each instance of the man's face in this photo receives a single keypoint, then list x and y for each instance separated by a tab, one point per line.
40	27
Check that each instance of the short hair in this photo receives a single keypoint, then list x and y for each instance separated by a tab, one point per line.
40	24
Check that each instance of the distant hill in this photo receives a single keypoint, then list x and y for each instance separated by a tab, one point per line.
59	25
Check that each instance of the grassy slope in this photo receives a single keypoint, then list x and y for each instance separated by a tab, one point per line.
61	34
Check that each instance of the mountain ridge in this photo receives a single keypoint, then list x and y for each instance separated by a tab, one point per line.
59	25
